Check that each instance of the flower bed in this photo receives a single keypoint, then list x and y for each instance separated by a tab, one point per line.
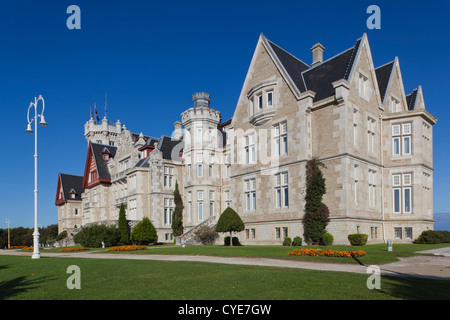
30	248
16	247
326	253
126	248
74	249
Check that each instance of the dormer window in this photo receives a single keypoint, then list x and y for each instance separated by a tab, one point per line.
72	193
106	154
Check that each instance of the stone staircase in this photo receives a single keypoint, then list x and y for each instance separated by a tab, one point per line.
188	237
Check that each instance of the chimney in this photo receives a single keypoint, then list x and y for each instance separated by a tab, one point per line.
177	134
317	51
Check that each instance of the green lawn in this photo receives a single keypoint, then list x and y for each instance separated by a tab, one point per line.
376	253
25	278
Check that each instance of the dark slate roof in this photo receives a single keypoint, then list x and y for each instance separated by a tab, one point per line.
320	77
69	182
102	165
411	100
170	148
293	66
383	74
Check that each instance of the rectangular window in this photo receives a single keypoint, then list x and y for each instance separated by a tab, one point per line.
370	134
250	194
277	233
363	90
372	188
398	233
250	151
397	200
281	139
408	233
402	139
396	146
402	193
260	101
200	170
407	200
281	190
407	145
211	208
270	99
200	211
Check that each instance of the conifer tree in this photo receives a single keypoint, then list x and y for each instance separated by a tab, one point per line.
316	216
177	216
123	226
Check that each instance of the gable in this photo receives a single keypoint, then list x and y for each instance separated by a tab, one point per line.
363	72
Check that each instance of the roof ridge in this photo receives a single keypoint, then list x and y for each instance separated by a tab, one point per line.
288	53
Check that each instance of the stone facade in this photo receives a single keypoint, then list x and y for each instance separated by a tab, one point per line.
374	139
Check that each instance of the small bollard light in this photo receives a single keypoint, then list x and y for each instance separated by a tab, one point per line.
389	245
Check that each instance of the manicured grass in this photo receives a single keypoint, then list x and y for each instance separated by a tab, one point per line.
45	279
376	253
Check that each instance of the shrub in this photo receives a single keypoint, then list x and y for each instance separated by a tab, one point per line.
92	236
297	242
144	232
61	236
357	239
226	241
433	237
287	241
327	239
206	235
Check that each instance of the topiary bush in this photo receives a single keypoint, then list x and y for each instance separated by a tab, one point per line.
297	242
230	221
357	239
144	232
287	241
327	239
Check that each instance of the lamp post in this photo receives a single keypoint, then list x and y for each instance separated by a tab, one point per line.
36	253
8	222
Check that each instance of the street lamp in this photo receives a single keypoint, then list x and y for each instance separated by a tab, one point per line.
36	253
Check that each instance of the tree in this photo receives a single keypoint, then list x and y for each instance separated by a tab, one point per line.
317	214
177	216
123	225
144	232
230	221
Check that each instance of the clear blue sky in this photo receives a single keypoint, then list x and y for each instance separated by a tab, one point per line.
151	56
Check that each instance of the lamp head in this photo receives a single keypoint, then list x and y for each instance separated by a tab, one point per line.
29	130
42	122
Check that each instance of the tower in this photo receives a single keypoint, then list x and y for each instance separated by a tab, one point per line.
202	153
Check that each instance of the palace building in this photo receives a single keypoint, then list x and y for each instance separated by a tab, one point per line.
374	138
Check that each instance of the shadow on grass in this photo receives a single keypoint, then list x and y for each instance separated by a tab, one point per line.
19	285
415	288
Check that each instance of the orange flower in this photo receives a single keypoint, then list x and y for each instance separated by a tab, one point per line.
327	253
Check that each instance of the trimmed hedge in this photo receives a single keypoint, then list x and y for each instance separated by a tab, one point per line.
92	236
327	239
357	239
